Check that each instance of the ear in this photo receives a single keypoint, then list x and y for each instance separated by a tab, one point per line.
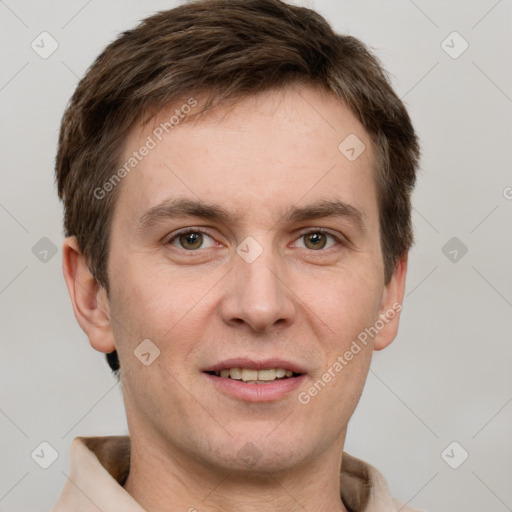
392	297
89	298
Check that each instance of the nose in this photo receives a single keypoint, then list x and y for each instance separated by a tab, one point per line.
257	295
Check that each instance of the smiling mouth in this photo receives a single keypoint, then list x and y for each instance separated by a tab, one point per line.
251	376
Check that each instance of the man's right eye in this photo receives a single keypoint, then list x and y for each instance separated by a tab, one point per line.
192	240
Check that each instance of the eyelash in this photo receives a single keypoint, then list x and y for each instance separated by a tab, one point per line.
303	234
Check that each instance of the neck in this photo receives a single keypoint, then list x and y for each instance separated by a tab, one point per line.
161	481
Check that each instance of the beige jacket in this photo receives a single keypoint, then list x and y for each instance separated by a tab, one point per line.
100	466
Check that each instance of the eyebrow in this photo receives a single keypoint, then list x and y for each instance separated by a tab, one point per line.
182	207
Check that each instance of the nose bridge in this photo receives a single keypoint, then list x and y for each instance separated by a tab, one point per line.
257	295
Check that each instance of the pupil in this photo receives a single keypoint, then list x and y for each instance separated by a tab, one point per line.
191	240
316	240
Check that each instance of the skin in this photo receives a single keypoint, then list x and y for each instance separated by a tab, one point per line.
268	153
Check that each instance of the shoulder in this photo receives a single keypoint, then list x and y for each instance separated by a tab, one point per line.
363	487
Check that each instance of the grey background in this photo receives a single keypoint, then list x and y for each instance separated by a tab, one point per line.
447	377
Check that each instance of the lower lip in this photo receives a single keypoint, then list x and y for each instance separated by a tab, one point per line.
271	391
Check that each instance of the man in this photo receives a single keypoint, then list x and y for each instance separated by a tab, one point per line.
236	180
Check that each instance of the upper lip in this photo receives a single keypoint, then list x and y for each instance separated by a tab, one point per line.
252	364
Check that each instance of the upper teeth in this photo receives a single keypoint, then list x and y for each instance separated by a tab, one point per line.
247	374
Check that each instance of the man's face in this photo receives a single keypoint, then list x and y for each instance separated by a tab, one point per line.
275	281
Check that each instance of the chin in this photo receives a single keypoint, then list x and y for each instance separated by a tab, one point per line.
259	454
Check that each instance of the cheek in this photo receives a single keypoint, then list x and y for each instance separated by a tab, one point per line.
149	297
345	303
153	303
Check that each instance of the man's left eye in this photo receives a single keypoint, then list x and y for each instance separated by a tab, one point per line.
316	240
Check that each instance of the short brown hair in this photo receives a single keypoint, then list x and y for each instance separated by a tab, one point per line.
226	50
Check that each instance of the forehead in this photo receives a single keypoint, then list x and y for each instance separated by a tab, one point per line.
262	153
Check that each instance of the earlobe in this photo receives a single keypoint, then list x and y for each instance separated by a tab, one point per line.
391	305
88	297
